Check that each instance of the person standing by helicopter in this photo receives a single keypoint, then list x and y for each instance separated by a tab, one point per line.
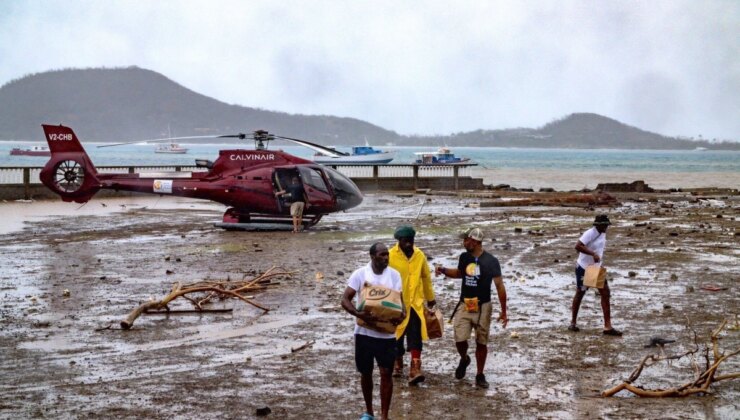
297	200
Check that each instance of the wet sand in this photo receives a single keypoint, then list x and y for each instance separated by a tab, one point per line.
112	258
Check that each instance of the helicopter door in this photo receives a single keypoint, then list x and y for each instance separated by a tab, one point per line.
282	179
317	191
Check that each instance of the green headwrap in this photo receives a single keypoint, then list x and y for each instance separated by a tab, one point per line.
404	231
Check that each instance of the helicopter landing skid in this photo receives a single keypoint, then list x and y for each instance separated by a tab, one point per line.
255	226
234	220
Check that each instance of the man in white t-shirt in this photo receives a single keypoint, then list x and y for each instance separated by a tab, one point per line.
371	345
590	247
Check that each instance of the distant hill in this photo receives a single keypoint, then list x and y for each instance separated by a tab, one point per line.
126	104
132	103
582	130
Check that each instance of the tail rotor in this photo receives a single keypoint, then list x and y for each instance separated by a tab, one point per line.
69	176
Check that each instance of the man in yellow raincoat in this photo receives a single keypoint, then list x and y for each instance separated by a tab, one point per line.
416	279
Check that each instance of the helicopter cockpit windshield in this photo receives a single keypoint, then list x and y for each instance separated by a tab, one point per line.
347	193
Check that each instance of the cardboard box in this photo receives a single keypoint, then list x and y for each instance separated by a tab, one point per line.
383	303
595	276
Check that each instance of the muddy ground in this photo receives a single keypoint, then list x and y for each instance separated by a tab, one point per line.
56	362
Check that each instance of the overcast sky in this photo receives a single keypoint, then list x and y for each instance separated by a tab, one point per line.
416	67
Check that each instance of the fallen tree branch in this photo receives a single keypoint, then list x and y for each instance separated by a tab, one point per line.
699	385
301	347
215	289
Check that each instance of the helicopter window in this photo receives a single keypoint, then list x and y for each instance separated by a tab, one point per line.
314	179
257	178
239	177
343	186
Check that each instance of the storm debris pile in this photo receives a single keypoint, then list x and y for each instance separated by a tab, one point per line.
203	292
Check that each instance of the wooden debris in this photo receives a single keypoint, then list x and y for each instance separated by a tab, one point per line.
187	311
703	378
214	289
299	348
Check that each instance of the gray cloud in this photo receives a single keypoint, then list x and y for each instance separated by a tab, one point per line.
415	66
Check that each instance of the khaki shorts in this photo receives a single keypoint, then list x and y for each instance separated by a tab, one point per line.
296	209
465	322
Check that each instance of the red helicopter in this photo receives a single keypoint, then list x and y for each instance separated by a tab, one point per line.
244	180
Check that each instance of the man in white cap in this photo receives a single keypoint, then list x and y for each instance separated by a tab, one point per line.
477	269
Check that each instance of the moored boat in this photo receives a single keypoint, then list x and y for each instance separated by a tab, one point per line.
32	151
359	155
443	156
172	148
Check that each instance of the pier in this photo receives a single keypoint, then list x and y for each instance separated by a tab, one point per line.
23	182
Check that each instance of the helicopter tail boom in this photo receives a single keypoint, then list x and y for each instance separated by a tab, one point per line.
70	172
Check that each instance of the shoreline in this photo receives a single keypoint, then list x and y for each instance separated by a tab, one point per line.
561	180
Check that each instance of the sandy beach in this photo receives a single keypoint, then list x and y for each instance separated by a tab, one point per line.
113	254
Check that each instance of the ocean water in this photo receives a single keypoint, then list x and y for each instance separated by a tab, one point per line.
522	168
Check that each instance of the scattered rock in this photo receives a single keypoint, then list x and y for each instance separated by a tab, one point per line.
636	186
517	230
674	277
168	272
672	233
262	411
689	289
65	293
340	273
632	274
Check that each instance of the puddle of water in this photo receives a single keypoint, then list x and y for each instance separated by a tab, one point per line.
15	214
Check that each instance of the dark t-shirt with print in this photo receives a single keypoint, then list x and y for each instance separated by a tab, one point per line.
296	193
477	275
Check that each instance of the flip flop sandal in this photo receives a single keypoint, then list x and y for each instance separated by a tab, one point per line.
613	332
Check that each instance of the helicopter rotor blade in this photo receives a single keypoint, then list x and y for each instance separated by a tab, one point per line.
240	136
317	147
159	140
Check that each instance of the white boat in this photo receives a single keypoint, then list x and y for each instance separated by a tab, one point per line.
443	156
172	148
360	155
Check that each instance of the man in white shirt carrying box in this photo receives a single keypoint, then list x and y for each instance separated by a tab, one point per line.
372	345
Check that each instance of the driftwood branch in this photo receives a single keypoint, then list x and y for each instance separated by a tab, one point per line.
225	289
703	379
303	346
